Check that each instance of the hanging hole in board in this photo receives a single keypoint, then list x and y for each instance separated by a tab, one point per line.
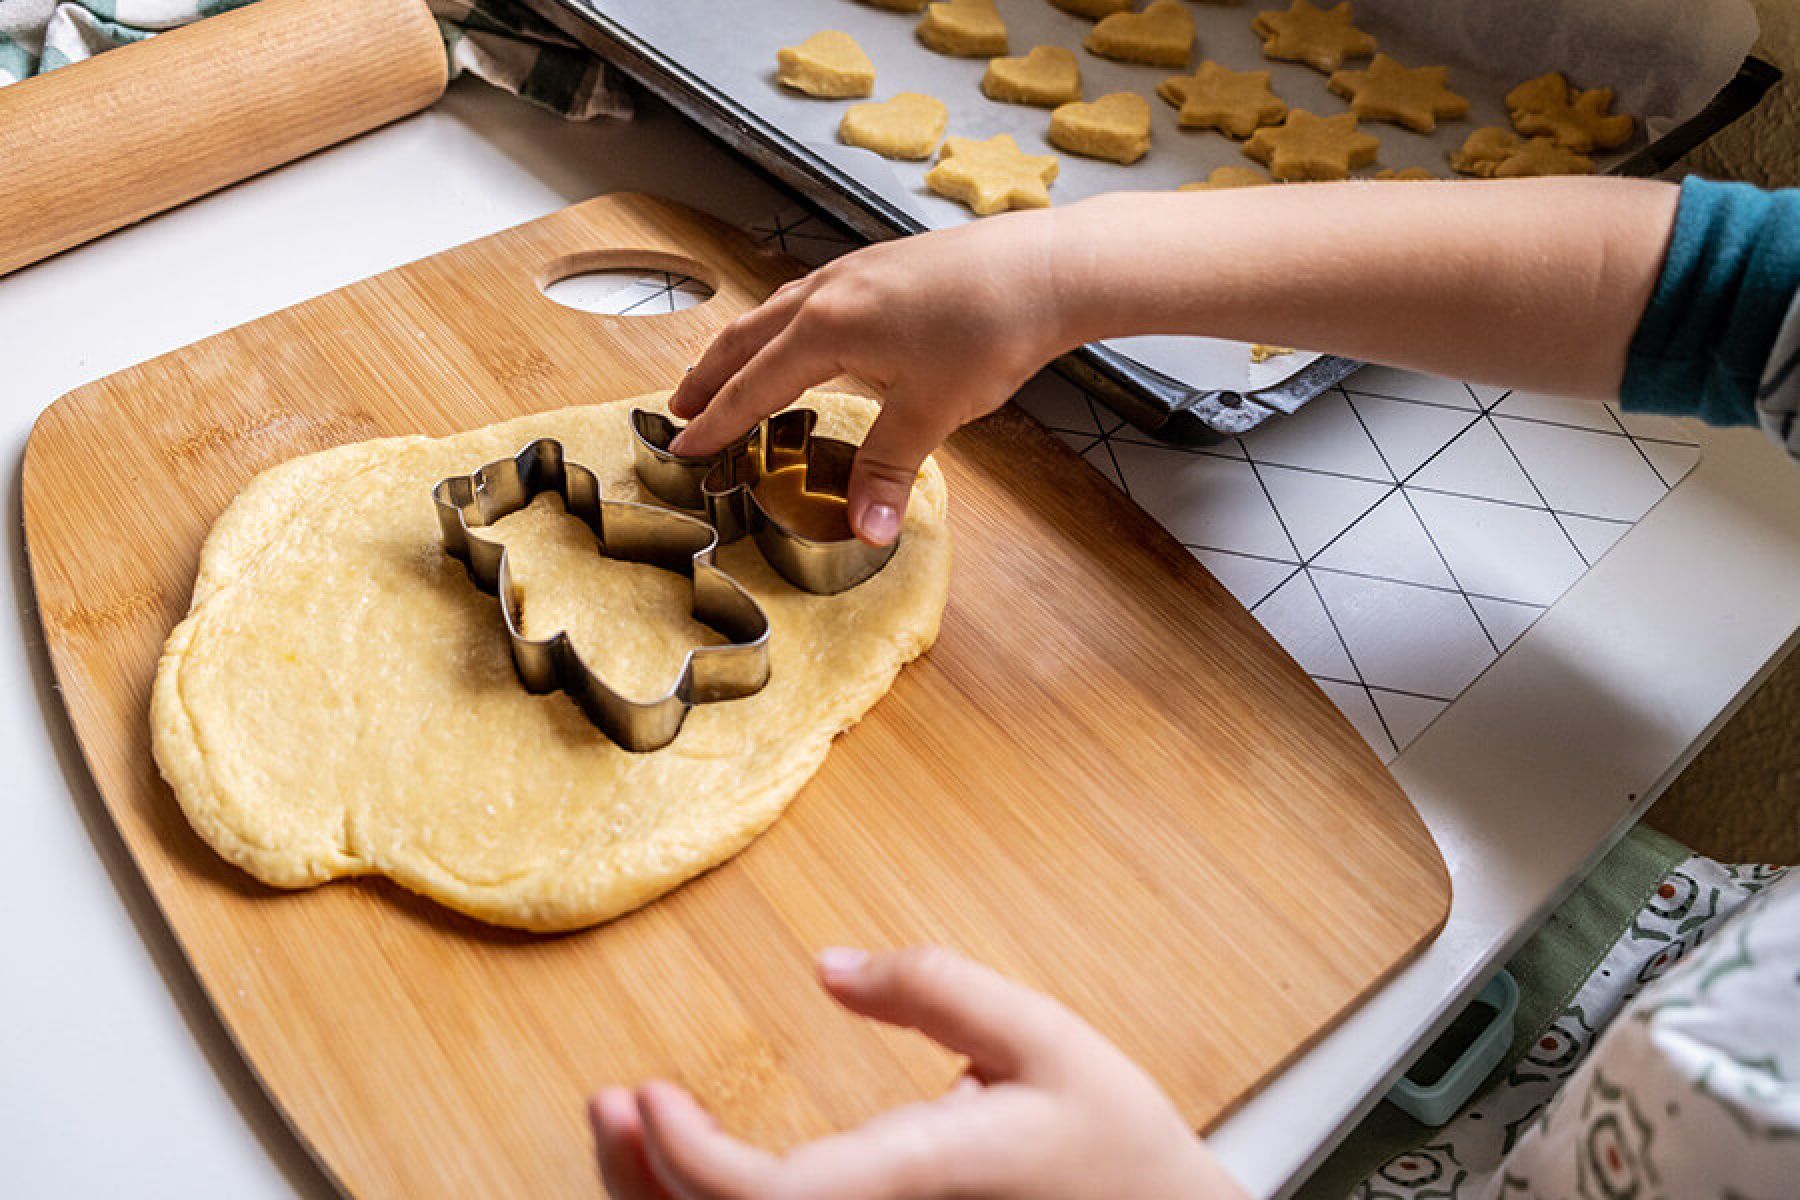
628	291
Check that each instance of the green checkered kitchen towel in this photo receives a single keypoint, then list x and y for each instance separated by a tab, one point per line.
500	41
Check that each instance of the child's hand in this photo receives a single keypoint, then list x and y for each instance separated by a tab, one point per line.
1049	1110
946	326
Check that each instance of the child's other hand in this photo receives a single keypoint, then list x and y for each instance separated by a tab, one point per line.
945	325
1050	1110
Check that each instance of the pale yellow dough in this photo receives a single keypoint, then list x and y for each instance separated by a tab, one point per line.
340	699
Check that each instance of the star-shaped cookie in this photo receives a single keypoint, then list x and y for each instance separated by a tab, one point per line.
1160	36
1306	146
828	64
1321	38
1229	177
1416	97
963	29
1578	120
1216	97
1115	127
1495	153
1047	76
992	176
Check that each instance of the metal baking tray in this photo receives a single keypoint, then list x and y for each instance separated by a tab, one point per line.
1150	400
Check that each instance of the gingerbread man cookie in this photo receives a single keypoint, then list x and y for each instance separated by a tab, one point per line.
828	64
1215	97
1321	38
1306	146
992	176
1047	76
1160	36
1229	177
1115	127
1496	153
1416	97
963	29
907	125
1577	120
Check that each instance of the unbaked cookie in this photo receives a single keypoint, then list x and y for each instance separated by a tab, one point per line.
1262	352
906	6
992	176
828	64
1581	121
1496	153
1216	97
907	125
1160	36
1093	10
1306	146
1416	97
1115	127
963	29
1319	37
1404	175
1047	76
1229	177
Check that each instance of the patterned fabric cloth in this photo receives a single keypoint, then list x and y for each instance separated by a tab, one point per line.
500	41
1652	1081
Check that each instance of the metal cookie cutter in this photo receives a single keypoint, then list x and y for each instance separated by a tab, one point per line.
725	487
640	533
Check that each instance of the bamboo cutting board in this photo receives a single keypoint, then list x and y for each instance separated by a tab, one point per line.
1105	778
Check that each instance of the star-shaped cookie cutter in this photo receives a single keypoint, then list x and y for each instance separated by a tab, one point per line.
640	533
725	485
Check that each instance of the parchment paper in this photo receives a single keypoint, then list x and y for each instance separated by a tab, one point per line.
1666	59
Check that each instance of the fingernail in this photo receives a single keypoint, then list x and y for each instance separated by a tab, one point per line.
841	962
880	524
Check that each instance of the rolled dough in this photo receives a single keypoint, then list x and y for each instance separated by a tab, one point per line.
340	699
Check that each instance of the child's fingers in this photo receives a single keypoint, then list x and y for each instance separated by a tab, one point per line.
691	1157
887	463
1007	1030
789	363
619	1146
735	345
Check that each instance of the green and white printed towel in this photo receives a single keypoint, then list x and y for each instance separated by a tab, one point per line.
500	41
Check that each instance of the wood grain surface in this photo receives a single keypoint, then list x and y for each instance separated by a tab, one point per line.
110	140
1105	778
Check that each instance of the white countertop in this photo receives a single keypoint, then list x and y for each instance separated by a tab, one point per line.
117	1079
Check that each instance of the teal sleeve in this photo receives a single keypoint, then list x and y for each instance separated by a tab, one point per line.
1726	287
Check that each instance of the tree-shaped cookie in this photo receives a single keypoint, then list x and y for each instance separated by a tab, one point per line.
1320	38
828	64
992	176
1306	146
1416	97
1582	121
1495	153
908	125
963	29
1216	97
1047	76
1160	36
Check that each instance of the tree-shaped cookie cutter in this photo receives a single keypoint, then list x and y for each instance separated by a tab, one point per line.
640	533
724	486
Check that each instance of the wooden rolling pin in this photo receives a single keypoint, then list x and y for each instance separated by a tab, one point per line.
102	143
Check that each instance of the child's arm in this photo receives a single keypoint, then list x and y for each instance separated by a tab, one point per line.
1049	1110
1531	283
